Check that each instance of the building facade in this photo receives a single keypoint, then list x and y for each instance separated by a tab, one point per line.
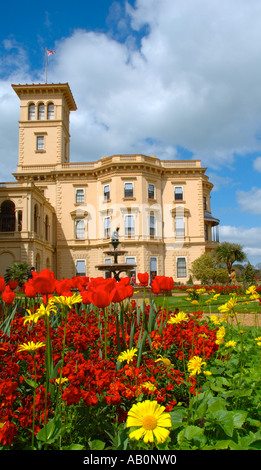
60	215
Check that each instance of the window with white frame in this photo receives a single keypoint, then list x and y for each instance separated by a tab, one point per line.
80	267
131	260
107	227
152	225
179	226
31	112
80	229
50	111
181	267
178	193
128	189
106	192
151	191
79	195
39	142
129	225
153	266
41	112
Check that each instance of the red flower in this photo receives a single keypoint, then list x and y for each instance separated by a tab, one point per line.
155	287
143	278
29	290
44	282
101	291
2	285
8	295
13	284
7	433
166	283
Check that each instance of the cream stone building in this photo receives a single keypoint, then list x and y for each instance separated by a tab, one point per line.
60	215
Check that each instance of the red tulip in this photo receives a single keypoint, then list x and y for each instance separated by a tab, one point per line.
155	287
143	278
44	282
166	283
2	285
8	295
13	284
29	290
101	291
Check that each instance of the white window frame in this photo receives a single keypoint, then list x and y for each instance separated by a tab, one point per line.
153	270
130	189
40	143
177	267
106	227
82	197
80	231
107	194
31	112
176	193
50	111
179	226
78	273
152	226
149	197
129	230
41	112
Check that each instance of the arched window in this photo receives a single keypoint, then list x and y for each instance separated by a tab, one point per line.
47	228
50	111
7	216
41	112
36	219
31	112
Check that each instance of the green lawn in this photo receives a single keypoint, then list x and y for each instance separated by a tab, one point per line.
182	304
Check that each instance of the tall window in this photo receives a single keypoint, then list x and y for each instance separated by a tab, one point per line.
80	229
128	190
107	227
181	267
106	192
41	112
178	193
152	225
7	216
31	112
151	191
79	195
179	226
129	225
50	111
153	267
80	267
40	142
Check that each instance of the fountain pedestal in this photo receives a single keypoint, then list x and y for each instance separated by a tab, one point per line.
115	268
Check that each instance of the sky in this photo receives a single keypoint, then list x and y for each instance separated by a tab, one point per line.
171	78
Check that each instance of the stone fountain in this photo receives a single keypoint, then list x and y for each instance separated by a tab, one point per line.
115	268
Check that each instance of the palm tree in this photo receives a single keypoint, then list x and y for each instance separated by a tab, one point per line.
228	253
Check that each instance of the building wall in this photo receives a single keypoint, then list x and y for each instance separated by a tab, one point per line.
166	206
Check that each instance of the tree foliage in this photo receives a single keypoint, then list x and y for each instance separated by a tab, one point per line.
205	269
228	253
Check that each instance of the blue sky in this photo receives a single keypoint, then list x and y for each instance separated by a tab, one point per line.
168	78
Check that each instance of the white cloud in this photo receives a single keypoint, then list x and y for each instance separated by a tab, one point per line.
249	238
250	201
193	82
257	164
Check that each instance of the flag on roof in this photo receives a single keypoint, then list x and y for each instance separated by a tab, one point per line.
50	52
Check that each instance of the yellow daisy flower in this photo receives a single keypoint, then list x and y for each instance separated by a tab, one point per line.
151	421
31	346
181	316
128	355
68	301
195	364
165	360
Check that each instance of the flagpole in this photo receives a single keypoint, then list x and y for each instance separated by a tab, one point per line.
46	65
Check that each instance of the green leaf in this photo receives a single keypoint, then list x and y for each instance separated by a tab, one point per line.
96	444
239	418
31	382
194	434
177	417
225	420
49	433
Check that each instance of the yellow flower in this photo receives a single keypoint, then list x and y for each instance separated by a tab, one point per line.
128	355
68	301
228	306
165	360
220	335
31	346
258	340
40	312
194	302
230	344
181	316
63	379
215	319
149	386
251	290
207	372
201	290
195	364
151	420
